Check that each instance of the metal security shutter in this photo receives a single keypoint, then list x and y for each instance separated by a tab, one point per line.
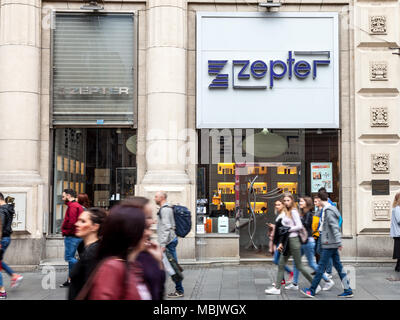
93	69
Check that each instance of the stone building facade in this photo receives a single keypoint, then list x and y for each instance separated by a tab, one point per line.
165	54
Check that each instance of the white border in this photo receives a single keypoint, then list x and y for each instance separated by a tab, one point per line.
335	58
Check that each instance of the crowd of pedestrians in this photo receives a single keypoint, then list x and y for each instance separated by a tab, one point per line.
118	259
299	232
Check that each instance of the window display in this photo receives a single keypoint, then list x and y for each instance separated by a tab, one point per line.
227	184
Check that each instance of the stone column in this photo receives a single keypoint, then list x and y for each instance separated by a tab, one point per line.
166	114
166	91
20	114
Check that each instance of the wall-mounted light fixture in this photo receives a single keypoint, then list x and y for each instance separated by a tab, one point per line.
93	5
270	4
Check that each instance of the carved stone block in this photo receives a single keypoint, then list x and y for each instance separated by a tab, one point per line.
377	25
378	71
381	210
379	117
380	163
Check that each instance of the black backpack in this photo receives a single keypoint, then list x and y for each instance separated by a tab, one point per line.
183	220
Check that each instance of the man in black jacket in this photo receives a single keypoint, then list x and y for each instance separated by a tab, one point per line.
6	216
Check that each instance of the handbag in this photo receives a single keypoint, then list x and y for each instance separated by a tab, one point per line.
177	276
303	235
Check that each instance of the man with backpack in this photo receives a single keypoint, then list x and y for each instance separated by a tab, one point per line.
6	218
167	237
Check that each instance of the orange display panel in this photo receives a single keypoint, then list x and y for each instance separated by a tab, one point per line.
59	163
226	168
66	164
208	226
288	187
287	170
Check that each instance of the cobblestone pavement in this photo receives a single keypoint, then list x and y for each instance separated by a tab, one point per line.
244	282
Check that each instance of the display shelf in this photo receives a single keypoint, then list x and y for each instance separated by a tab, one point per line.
256	169
230	205
226	187
259	187
226	168
259	206
288	187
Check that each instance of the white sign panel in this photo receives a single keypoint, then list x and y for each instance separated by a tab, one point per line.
19	219
321	176
267	70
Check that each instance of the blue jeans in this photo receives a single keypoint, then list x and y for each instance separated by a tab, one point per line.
307	249
277	255
318	249
171	247
71	244
326	255
5	242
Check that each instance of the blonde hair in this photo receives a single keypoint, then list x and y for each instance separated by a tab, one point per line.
396	201
294	204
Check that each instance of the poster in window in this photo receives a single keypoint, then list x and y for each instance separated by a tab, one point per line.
321	176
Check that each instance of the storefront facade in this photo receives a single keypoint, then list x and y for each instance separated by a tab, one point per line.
130	100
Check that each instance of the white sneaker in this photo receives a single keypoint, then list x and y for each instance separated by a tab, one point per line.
329	275
273	290
292	286
328	285
318	289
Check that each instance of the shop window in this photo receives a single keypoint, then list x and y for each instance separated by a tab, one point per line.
283	162
99	162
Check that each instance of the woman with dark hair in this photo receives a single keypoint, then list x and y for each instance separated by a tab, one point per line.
150	260
88	228
83	200
308	249
123	238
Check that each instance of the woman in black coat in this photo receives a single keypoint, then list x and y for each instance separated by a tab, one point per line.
88	227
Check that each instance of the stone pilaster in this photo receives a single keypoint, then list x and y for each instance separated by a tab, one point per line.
20	116
166	118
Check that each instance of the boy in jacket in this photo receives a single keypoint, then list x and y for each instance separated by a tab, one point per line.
331	243
71	241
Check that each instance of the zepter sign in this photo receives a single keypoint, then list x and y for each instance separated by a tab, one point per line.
267	70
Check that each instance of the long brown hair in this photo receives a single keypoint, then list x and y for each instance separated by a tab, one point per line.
83	200
294	204
309	205
396	201
137	202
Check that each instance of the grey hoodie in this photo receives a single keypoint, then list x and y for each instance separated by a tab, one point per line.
331	238
166	225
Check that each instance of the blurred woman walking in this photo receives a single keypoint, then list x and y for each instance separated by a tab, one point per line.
88	228
116	277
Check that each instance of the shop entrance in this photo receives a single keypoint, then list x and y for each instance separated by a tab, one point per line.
257	186
100	162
